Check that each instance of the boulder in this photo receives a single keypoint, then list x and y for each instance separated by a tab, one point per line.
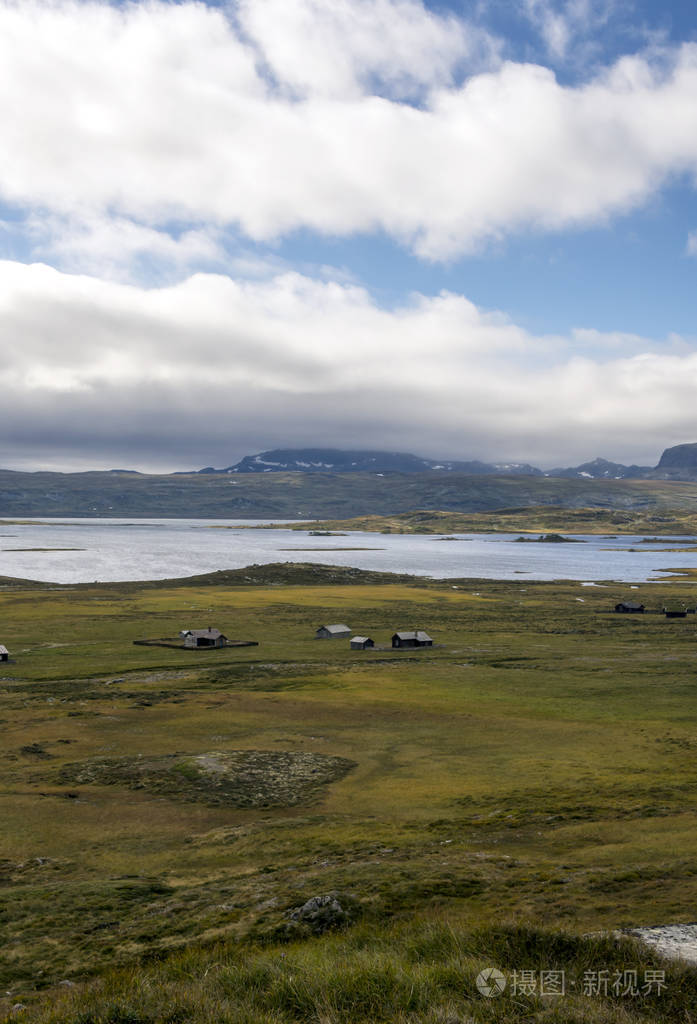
322	913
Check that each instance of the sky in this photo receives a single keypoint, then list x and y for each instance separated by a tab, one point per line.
464	230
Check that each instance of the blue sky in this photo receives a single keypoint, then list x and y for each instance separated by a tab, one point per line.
467	230
631	274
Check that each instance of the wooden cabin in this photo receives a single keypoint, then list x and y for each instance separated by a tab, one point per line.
361	643
412	638
197	638
334	632
675	613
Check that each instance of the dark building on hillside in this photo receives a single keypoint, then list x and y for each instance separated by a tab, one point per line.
197	638
629	607
4	653
361	643
334	632
412	638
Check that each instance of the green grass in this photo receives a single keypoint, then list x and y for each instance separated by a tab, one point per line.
655	515
424	972
537	765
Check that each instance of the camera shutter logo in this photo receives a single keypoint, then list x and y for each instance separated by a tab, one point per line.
491	982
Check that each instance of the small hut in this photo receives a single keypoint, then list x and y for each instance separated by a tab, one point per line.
629	607
4	653
334	632
361	643
197	638
412	638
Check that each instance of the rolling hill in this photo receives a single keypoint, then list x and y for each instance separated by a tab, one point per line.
293	495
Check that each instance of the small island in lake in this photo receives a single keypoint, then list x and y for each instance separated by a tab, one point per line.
549	538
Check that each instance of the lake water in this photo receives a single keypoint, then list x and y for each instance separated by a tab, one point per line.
140	549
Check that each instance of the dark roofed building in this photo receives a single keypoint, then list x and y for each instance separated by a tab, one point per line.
203	637
412	638
334	632
675	611
629	607
361	643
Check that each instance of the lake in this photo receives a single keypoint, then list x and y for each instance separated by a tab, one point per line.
86	550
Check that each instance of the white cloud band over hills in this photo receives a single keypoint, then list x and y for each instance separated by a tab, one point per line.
208	369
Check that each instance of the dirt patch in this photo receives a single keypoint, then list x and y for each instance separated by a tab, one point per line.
239	778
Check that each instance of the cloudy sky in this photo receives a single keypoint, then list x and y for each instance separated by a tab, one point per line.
462	229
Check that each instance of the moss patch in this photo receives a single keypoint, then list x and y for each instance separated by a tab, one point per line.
239	778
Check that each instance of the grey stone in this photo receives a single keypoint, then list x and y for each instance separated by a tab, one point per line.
677	941
322	913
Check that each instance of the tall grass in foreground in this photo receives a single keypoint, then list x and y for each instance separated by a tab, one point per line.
419	973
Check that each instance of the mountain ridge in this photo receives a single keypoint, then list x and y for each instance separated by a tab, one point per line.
676	463
339	460
284	494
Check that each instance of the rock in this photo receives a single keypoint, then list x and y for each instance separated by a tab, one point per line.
322	913
671	940
67	984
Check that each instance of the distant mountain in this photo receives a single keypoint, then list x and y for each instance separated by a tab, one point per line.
677	463
320	483
601	469
334	460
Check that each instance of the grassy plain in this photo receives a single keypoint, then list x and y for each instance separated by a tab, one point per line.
534	519
530	779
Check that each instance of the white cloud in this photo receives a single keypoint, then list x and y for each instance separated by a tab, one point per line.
116	247
343	48
339	116
156	112
553	25
570	28
205	370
